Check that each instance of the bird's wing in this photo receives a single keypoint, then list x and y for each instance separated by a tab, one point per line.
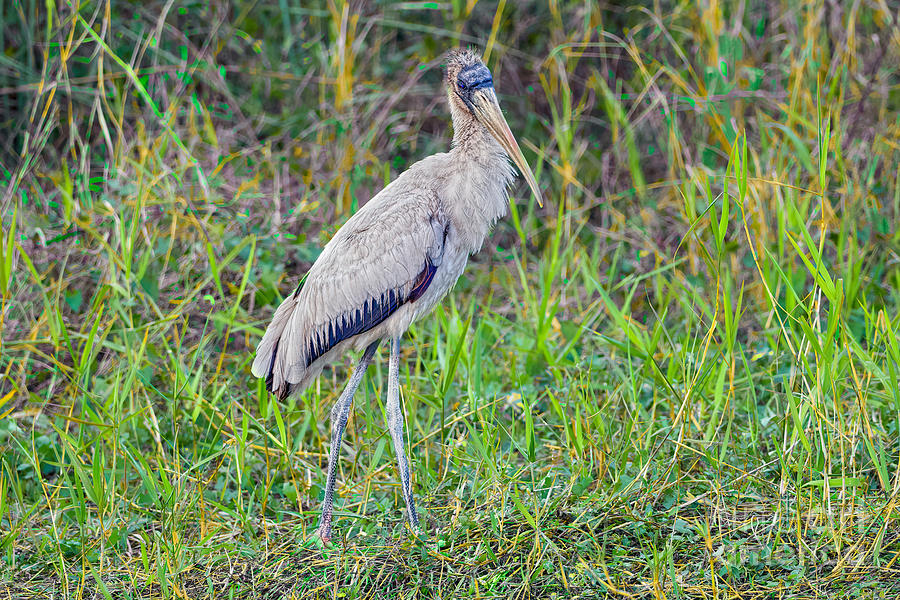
383	257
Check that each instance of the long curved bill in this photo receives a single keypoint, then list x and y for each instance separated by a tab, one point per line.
487	110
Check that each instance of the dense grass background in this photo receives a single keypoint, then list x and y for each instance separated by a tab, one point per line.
679	378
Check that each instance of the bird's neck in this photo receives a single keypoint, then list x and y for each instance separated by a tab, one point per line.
484	175
470	135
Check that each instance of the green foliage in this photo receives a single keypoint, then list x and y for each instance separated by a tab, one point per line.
678	378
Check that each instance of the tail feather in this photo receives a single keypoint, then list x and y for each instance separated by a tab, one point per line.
269	363
270	375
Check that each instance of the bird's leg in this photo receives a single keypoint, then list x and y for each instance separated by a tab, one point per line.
395	426
340	412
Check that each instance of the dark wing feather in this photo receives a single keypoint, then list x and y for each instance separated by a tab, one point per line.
384	257
375	311
423	280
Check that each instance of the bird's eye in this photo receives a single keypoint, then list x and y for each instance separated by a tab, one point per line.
463	86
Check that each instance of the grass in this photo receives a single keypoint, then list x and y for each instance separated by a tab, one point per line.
678	379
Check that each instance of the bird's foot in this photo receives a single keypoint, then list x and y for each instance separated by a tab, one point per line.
324	530
415	528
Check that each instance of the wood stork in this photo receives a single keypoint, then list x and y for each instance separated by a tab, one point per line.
394	260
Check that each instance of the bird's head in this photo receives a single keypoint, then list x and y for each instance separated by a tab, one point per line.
470	88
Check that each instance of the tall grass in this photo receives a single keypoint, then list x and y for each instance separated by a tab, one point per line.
678	378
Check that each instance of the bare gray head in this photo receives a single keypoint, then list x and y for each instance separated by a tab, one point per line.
473	103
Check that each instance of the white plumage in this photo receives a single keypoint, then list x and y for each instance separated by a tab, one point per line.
394	260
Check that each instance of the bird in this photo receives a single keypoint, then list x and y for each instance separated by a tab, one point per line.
394	260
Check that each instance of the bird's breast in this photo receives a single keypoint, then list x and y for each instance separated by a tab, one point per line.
477	197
